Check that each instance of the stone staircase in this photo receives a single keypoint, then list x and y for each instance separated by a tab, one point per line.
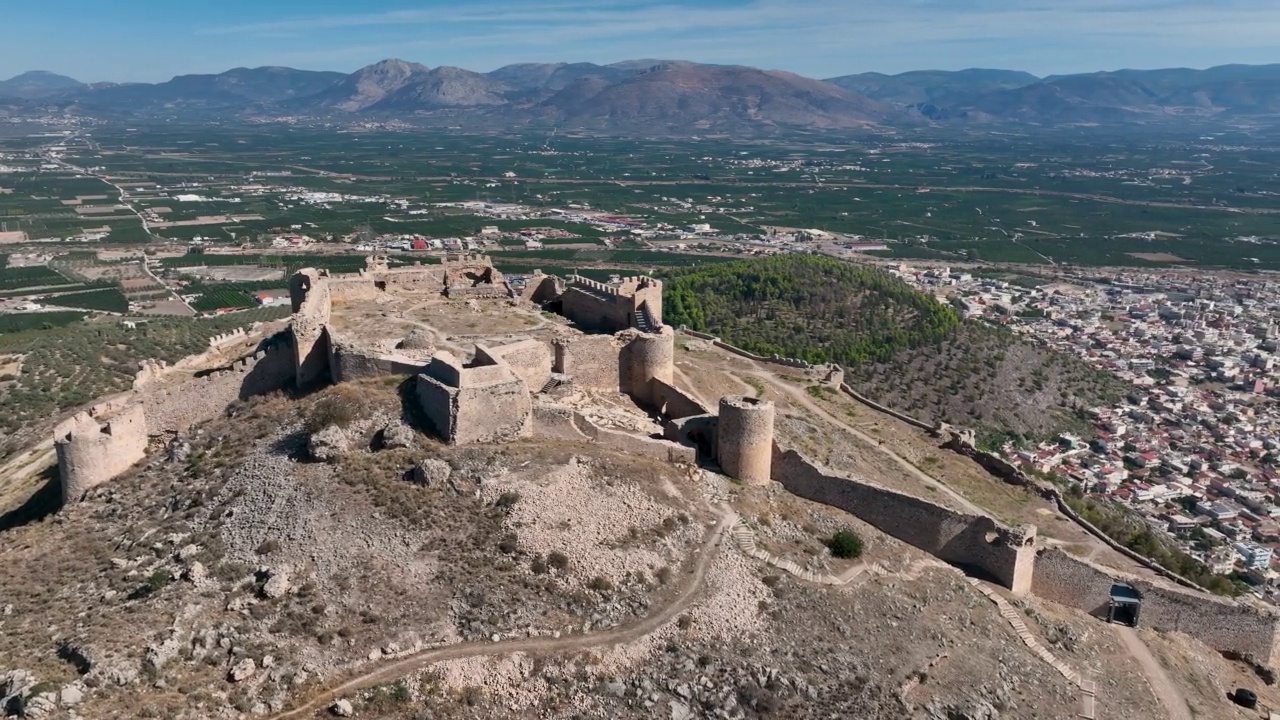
642	322
1088	689
555	381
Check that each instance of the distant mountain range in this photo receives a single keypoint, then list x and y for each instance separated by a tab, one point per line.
661	96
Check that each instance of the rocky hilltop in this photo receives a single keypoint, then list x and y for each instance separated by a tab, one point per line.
572	513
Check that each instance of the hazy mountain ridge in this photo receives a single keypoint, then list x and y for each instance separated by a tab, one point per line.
679	96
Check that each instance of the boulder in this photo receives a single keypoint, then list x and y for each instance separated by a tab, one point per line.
418	339
277	583
71	695
242	670
197	574
397	435
40	706
430	472
329	444
342	708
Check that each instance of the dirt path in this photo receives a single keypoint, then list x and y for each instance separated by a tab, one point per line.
1164	688
692	584
798	396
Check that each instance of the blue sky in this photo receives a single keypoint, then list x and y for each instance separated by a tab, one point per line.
152	40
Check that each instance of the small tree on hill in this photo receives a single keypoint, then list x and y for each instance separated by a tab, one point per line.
845	544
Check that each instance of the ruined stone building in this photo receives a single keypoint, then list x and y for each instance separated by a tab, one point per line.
636	302
96	446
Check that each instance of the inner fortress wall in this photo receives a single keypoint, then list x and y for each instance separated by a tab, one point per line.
351	361
530	359
474	405
600	307
1226	626
968	541
96	446
592	361
309	294
672	402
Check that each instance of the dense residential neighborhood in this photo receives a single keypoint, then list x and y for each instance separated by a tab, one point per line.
1194	445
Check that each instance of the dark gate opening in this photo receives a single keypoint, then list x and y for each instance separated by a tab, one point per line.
1125	605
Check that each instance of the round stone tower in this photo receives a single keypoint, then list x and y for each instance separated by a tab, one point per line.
650	356
744	442
91	451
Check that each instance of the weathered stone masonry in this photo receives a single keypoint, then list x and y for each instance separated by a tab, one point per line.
973	541
744	439
95	446
1221	624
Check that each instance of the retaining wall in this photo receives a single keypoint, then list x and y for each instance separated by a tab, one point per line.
971	541
1225	626
672	402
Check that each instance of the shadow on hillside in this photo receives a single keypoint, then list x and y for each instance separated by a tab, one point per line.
43	503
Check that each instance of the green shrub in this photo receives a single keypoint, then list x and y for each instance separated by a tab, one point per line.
845	544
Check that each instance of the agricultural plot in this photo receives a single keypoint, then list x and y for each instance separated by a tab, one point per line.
106	300
16	278
1065	196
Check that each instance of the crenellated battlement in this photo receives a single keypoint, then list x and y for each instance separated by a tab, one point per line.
97	445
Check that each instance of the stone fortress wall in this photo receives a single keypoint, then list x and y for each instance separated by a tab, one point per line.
1248	632
497	397
97	445
101	443
976	542
600	307
1009	554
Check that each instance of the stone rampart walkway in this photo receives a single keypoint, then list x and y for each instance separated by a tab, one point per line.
1088	689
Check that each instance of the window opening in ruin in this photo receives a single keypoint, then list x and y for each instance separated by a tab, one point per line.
1125	605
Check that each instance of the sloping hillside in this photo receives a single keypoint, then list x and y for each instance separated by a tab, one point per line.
898	346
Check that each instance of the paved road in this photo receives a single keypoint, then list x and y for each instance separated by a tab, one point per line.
691	586
1164	688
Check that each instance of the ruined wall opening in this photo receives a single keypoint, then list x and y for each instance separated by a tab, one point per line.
1125	605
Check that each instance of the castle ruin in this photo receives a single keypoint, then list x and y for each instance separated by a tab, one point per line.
98	445
494	389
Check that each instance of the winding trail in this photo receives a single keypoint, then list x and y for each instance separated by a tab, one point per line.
1164	688
692	585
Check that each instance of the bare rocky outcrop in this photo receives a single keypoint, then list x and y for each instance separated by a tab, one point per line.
430	472
329	444
398	436
242	670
